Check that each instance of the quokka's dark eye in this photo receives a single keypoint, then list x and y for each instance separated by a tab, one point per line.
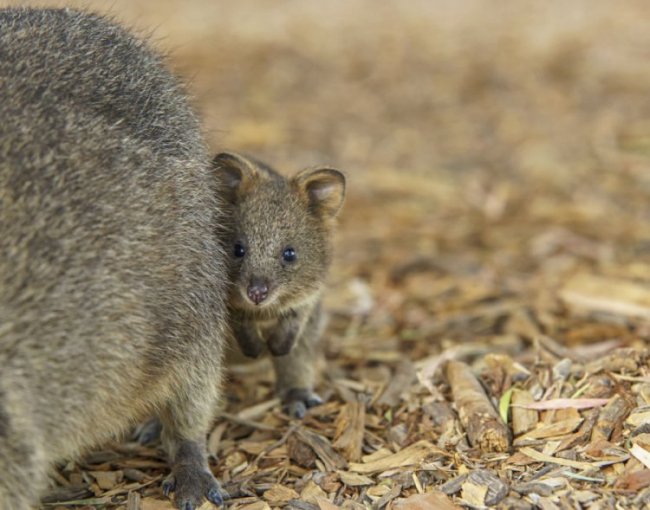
289	255
239	250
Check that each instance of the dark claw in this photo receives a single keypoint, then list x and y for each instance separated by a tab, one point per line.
298	400
215	496
168	487
313	400
297	410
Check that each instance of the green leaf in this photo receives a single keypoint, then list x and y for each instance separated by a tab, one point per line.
504	405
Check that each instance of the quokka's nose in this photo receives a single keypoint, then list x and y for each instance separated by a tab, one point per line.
257	291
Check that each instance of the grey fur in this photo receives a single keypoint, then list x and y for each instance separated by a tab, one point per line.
112	279
271	213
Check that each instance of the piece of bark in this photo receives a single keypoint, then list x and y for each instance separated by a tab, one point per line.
481	421
611	417
350	426
582	435
495	488
323	449
540	488
300	452
523	419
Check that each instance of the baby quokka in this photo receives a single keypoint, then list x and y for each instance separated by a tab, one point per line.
281	250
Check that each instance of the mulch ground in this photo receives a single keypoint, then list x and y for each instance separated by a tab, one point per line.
490	299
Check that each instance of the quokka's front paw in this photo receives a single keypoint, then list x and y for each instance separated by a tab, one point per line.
251	348
281	345
191	485
298	400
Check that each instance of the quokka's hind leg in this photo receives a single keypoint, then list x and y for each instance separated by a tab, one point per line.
185	424
22	466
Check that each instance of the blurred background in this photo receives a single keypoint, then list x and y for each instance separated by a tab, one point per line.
492	149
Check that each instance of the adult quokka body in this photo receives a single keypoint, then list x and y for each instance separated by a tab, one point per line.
281	252
112	278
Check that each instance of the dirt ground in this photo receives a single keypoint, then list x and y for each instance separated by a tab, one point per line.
498	215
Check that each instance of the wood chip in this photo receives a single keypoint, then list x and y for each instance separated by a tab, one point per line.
557	429
638	418
279	495
430	500
523	418
350	426
300	452
634	481
534	454
611	417
325	504
258	505
412	455
354	479
157	504
495	489
477	414
107	479
567	403
641	454
397	385
134	501
474	494
323	449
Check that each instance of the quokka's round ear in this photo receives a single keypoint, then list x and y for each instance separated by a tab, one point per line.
235	170
324	189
